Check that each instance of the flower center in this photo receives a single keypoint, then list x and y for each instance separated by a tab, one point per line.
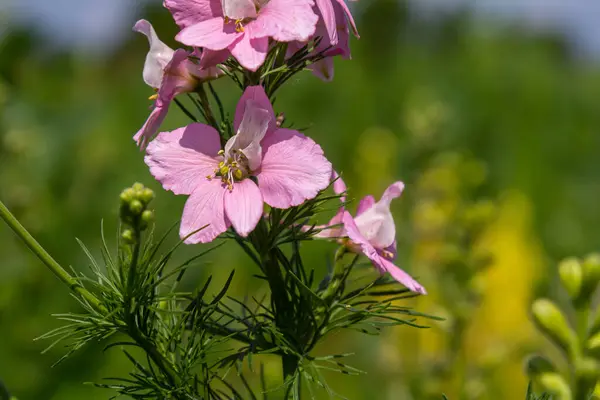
233	168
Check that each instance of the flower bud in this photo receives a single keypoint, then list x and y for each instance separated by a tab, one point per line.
555	384
146	196
136	207
146	219
552	322
127	195
537	365
571	276
127	236
591	274
138	187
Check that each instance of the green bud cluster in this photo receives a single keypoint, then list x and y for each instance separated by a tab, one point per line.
134	212
580	343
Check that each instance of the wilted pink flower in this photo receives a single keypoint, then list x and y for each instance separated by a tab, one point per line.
243	27
171	73
372	232
334	14
288	168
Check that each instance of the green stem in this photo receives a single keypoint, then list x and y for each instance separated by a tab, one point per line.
47	259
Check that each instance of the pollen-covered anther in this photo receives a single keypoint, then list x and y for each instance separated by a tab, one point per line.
239	27
153	97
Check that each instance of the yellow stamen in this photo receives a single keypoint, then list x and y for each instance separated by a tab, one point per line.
238	174
153	97
221	152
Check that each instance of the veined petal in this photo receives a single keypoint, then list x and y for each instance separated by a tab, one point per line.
331	231
258	95
189	12
364	204
328	15
250	52
212	34
285	20
177	77
244	206
239	9
151	126
210	58
250	133
393	191
204	209
182	159
158	57
323	69
293	169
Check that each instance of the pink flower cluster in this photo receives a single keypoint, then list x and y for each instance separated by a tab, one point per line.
230	179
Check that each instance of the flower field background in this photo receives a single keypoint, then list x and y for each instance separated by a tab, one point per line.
495	133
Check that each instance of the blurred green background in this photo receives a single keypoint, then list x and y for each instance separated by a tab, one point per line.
465	111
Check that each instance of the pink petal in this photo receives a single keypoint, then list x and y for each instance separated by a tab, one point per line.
213	34
393	191
399	275
286	20
158	57
182	159
250	52
366	203
323	69
350	18
256	93
339	187
204	209
328	15
210	58
244	206
177	77
151	126
239	9
250	133
335	232
379	262
293	169
189	12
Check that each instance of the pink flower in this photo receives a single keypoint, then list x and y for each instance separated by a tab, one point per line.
171	73
242	27
331	11
260	164
339	46
372	232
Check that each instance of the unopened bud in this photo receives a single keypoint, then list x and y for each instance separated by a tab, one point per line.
552	322
146	196
591	274
138	187
127	236
136	207
571	276
127	195
555	384
146	219
537	365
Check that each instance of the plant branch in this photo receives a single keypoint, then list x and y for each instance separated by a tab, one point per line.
47	259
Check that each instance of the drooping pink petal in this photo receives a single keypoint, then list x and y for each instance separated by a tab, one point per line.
158	57
399	275
379	262
250	133
285	20
366	203
342	4
178	78
323	69
334	229
293	169
212	34
189	12
182	159
250	52
328	16
204	209
258	95
239	9
151	126
244	206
